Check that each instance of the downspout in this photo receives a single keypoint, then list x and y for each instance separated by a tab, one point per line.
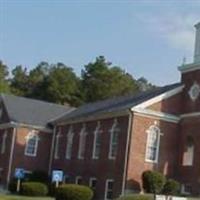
130	122
11	155
52	150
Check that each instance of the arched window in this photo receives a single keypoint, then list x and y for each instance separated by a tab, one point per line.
188	155
114	140
97	142
56	152
153	143
3	144
82	142
31	144
70	136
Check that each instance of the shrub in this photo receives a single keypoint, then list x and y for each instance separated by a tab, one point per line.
39	176
34	189
153	181
171	187
136	197
73	192
12	187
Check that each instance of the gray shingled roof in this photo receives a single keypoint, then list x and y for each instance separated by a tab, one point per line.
116	104
30	111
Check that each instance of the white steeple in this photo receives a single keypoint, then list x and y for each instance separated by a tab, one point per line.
197	44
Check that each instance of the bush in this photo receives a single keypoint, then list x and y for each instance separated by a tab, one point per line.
136	197
34	189
73	192
39	176
12	187
171	187
153	182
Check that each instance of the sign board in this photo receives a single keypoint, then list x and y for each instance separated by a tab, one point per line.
57	176
19	173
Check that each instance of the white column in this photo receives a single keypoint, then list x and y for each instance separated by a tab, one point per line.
197	44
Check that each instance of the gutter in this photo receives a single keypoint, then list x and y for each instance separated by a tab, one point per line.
130	122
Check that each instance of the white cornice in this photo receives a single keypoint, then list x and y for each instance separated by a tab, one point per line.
190	115
15	125
156	115
159	98
189	67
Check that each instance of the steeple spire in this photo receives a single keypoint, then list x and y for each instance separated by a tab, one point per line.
197	44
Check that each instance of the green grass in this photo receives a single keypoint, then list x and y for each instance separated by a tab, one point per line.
16	197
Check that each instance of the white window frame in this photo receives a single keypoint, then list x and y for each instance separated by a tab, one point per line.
112	131
106	188
82	142
56	151
30	136
3	144
97	133
77	179
69	147
90	182
149	132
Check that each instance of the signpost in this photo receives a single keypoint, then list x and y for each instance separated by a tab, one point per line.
19	174
57	176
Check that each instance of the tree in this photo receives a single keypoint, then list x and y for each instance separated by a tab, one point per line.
100	80
4	84
19	82
144	85
61	85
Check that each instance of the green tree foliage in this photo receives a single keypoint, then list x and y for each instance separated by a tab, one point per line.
19	82
144	85
100	80
4	84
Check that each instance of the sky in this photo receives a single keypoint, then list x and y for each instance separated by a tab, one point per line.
146	38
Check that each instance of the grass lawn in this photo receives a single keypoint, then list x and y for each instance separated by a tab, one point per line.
15	197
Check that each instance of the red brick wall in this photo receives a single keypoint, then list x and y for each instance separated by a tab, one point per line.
188	79
167	152
103	168
41	161
4	158
172	105
190	174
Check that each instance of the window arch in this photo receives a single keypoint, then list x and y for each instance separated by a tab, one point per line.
3	144
82	142
114	140
97	141
153	143
188	155
32	140
70	136
57	142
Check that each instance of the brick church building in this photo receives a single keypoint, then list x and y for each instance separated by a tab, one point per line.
109	144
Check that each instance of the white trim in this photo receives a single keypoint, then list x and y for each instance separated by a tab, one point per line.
113	130
16	125
106	188
90	182
188	115
189	67
130	122
77	178
30	136
11	155
96	132
160	97
156	114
